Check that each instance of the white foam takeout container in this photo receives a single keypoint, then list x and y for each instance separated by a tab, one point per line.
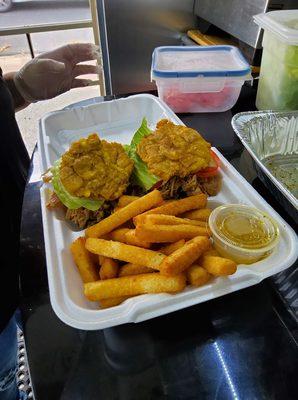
117	120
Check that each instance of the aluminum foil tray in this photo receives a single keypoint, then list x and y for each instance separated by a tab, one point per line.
272	140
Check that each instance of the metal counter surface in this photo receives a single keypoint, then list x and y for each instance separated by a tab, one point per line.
240	346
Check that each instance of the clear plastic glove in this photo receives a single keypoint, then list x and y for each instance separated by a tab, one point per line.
55	72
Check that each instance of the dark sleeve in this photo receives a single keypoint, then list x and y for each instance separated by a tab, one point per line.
13	154
14	164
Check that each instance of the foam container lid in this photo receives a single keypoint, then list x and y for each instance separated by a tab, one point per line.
117	120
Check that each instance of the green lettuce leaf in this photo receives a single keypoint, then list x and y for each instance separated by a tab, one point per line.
142	132
140	174
71	202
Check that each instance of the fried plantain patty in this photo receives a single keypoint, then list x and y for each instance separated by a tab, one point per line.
174	150
95	169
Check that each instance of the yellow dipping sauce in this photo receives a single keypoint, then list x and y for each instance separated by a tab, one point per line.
244	230
243	233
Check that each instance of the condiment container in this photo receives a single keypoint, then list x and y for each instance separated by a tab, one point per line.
242	233
199	78
278	83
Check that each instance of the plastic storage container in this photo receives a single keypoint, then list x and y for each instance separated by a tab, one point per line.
278	83
199	79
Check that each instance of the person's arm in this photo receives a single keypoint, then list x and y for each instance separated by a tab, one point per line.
19	101
53	73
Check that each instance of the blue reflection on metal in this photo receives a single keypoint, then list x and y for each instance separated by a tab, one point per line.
226	371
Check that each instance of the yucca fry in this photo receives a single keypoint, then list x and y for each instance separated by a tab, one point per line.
170	248
211	252
200	215
168	233
124	200
182	258
134	269
133	285
100	258
131	238
108	268
124	214
197	275
94	257
114	301
118	235
176	207
162	219
125	252
128	224
84	260
218	266
128	236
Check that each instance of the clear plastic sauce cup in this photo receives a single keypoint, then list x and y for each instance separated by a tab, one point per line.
242	233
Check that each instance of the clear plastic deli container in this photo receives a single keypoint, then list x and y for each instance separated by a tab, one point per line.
199	78
278	83
243	233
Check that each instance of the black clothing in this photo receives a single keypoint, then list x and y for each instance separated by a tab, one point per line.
14	164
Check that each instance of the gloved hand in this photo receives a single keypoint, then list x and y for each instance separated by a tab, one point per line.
55	72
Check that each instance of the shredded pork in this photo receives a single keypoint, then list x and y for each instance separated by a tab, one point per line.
177	187
54	202
84	218
81	217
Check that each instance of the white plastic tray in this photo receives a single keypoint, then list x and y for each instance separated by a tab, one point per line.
117	120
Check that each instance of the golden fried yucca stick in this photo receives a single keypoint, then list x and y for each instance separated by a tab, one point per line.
118	235
109	268
125	252
124	214
168	233
134	269
182	258
176	207
218	266
112	302
94	257
197	275
126	235
84	260
170	248
131	238
199	215
211	252
162	219
133	285
124	200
